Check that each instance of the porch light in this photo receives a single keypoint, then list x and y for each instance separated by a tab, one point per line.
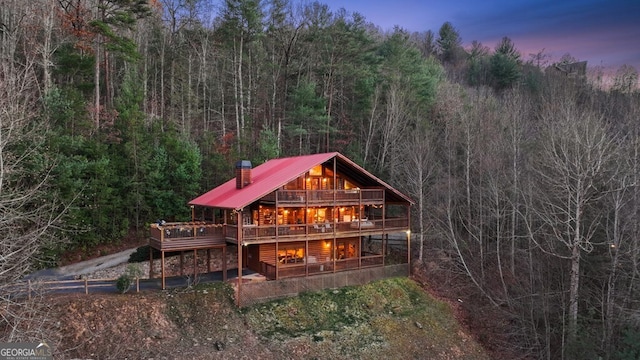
327	244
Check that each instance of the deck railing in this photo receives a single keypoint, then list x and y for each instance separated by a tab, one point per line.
186	235
171	236
351	196
317	268
317	230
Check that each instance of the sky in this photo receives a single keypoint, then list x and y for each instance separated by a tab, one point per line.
603	32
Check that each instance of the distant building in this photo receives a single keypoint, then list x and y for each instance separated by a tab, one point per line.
572	70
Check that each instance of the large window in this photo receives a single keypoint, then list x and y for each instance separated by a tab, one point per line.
291	254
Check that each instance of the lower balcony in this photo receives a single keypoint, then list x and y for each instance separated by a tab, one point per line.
283	271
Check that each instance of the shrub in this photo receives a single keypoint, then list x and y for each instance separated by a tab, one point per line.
124	282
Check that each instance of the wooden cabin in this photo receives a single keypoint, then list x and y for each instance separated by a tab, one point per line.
295	217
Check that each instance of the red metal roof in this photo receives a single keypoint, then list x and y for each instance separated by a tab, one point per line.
270	176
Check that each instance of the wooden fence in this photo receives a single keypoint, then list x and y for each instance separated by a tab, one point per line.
63	286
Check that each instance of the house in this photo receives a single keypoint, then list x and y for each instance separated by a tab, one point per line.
304	218
572	70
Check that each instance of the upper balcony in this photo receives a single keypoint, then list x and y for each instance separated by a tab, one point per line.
326	197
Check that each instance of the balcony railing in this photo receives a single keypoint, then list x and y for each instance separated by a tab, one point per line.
188	235
195	235
317	268
259	233
344	197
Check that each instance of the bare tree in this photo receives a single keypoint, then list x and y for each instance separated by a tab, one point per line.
28	214
626	79
573	171
419	168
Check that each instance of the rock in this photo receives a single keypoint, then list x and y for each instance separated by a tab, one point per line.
219	345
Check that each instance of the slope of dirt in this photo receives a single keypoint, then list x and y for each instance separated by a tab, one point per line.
392	318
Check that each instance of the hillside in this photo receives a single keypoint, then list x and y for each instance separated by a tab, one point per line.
393	318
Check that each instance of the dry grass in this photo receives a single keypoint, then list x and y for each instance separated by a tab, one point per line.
392	318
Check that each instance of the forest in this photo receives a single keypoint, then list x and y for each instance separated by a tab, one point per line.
524	171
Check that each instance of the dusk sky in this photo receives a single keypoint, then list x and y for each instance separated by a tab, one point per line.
605	33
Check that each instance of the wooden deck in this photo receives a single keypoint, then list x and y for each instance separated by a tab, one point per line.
202	235
187	236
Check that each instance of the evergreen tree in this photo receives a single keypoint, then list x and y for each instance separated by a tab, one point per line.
505	64
448	43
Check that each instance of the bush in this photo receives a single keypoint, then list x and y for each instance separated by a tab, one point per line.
124	282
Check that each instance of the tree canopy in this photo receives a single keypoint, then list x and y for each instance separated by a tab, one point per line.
117	112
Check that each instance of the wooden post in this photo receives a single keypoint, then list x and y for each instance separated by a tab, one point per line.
384	248
224	263
162	268
409	236
150	262
86	286
181	263
306	257
137	284
409	251
195	264
239	237
359	252
208	260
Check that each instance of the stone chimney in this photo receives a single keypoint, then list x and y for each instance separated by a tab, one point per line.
243	173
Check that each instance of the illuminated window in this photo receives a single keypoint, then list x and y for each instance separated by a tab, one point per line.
291	254
316	171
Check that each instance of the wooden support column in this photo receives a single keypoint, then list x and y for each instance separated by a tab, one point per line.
409	237
306	257
195	264
277	262
208	260
181	262
162	269
384	248
224	263
359	252
409	250
240	240
333	255
150	262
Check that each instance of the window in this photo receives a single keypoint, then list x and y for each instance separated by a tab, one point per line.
346	250
291	254
316	171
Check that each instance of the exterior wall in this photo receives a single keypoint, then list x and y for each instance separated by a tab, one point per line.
251	293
